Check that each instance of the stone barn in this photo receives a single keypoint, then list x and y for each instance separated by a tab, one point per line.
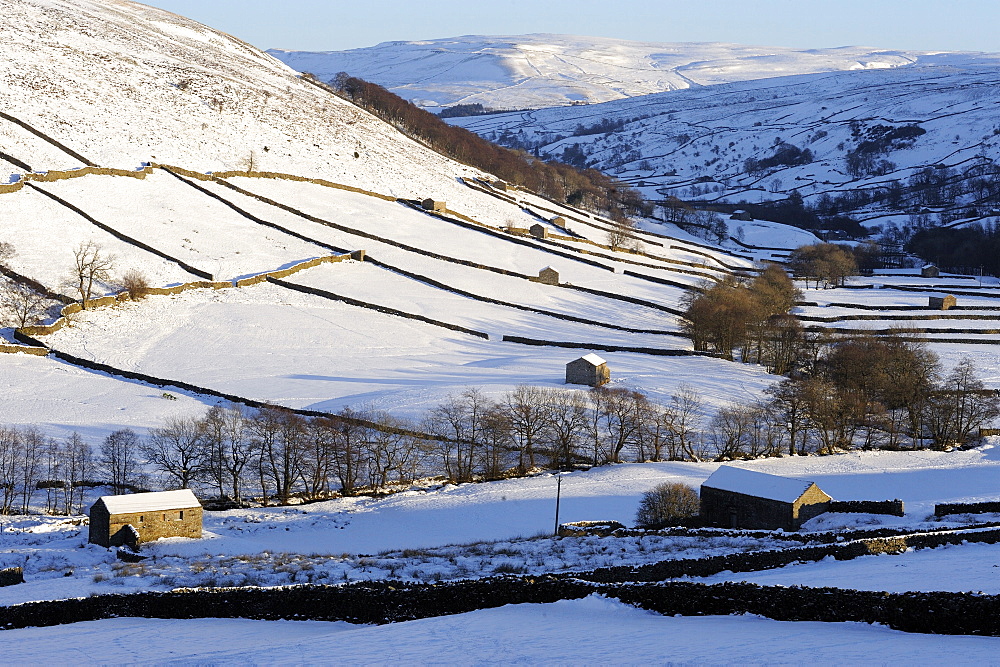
930	271
590	370
548	276
737	498
539	231
941	302
559	221
434	205
129	520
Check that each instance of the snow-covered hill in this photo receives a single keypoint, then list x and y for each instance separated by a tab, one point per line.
880	144
544	70
120	83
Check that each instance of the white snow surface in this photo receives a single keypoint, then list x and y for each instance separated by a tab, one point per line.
545	70
759	484
593	630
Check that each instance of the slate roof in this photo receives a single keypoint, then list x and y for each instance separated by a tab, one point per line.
758	484
150	502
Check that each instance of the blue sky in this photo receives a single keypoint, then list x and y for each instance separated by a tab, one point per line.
329	25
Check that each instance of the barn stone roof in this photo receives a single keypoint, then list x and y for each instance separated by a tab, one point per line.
758	484
150	502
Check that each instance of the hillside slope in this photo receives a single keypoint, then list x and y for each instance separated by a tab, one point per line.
118	84
879	145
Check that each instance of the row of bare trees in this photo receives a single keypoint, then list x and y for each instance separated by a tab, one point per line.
871	392
31	462
532	427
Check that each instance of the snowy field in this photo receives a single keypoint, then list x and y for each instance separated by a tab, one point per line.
271	343
589	631
471	530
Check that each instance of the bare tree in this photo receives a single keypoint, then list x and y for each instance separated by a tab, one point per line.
22	304
318	457
684	415
10	445
392	454
91	264
350	456
29	461
119	458
528	414
566	425
136	284
178	451
76	468
620	235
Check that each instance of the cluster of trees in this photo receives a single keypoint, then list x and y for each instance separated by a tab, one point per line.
870	392
973	248
748	315
875	141
704	224
475	109
825	263
31	463
583	188
784	155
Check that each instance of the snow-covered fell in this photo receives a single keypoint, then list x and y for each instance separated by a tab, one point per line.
699	144
544	70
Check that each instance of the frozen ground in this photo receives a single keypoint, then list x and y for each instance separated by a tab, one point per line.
589	631
502	524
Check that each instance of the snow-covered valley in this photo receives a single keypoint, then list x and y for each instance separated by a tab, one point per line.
237	167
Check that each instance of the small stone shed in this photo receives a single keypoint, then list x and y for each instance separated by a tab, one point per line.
539	231
548	276
737	498
590	370
141	517
941	302
434	205
930	271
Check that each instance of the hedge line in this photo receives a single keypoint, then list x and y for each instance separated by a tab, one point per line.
474	226
892	507
205	391
392	601
767	560
610	348
323	294
121	236
531	309
966	508
47	138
